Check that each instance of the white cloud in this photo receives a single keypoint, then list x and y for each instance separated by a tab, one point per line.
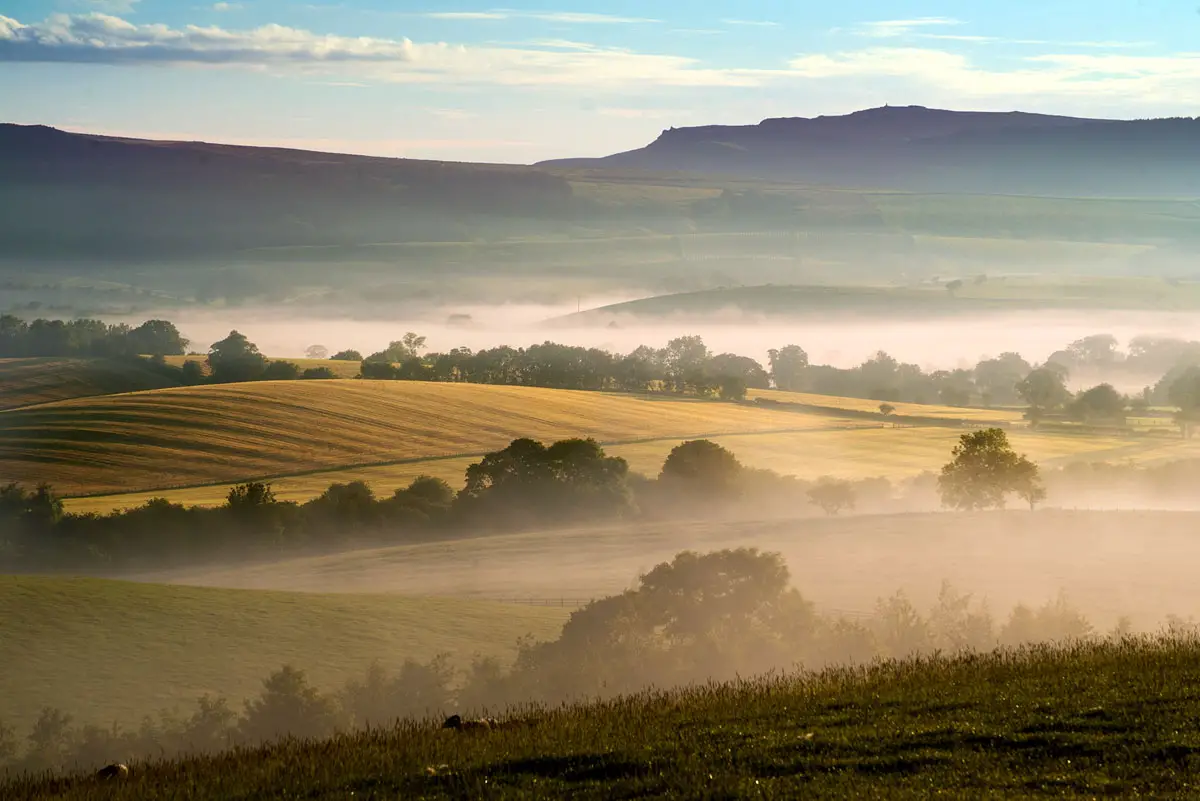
889	29
227	6
1131	79
106	39
752	22
906	72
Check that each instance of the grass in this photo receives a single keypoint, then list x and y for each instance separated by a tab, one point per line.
217	434
24	382
113	650
872	406
1085	720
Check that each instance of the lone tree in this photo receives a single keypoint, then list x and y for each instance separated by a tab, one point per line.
985	469
833	496
703	469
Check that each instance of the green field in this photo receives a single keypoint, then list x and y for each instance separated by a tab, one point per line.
24	382
1101	720
108	651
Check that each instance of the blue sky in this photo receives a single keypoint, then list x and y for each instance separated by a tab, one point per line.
523	80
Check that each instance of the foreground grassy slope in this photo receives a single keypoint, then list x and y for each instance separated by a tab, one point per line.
1086	720
111	650
213	434
24	382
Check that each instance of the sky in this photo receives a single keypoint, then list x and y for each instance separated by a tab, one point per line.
528	80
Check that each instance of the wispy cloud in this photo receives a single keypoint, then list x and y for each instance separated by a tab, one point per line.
889	29
1079	77
227	6
569	17
919	28
756	23
106	39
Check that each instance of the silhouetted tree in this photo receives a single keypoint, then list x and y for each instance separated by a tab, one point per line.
832	496
788	365
235	358
346	356
702	470
288	706
279	370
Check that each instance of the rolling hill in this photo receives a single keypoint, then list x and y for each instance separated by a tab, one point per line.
66	193
114	651
190	444
25	382
215	434
994	295
920	149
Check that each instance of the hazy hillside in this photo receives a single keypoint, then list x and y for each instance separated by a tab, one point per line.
62	192
922	149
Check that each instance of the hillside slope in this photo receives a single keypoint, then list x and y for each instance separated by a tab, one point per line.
921	149
24	382
1114	719
72	193
109	651
211	434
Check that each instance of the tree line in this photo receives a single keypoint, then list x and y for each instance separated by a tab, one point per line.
700	617
684	366
525	485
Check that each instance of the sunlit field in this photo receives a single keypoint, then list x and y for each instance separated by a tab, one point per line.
223	433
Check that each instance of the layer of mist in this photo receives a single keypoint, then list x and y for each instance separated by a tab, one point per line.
945	343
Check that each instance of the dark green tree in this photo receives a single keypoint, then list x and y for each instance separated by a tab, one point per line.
703	470
279	370
235	359
984	470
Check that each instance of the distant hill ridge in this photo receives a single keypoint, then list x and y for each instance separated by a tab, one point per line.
923	149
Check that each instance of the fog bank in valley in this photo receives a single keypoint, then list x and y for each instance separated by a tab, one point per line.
938	343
